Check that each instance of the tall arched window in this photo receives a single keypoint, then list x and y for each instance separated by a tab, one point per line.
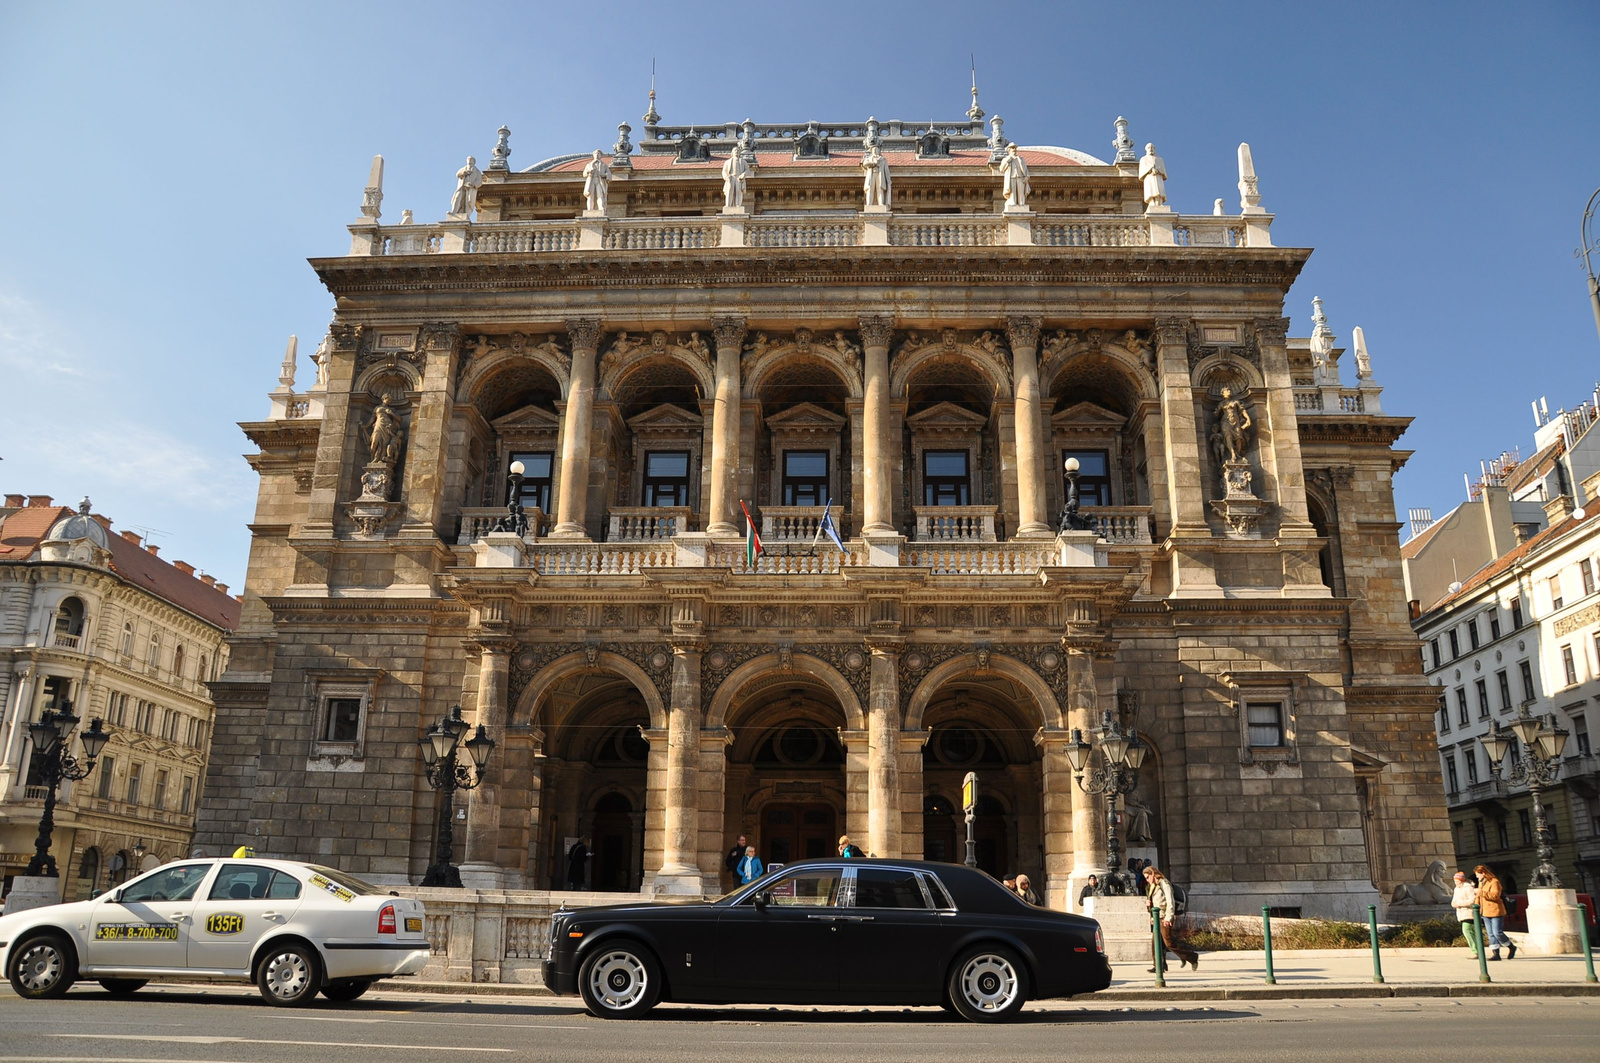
69	622
127	639
155	650
89	869
177	661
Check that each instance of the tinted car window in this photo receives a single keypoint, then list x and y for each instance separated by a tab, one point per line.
941	896
240	882
879	887
171	884
283	887
806	889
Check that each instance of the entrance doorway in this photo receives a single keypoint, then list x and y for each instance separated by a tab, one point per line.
616	843
798	831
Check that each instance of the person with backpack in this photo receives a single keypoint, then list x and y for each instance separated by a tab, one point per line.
1159	893
848	851
1492	903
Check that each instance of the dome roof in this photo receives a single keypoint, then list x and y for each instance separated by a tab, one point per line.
79	525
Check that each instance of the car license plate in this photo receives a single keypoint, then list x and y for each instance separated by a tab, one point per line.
413	925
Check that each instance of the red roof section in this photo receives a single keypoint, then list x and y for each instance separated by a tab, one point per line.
1512	557
850	159
24	529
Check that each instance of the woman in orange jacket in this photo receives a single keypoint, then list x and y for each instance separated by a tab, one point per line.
1492	904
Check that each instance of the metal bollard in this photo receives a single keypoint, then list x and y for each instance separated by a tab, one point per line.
1372	924
1266	937
1483	946
1161	959
1588	954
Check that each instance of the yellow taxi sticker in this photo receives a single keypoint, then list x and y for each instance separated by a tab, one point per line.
224	923
136	932
413	925
332	887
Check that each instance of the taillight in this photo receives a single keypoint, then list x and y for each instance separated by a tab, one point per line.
386	919
1099	941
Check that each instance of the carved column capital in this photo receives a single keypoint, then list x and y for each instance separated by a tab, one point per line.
440	335
729	331
345	337
876	330
683	646
1022	330
584	333
1171	331
1272	331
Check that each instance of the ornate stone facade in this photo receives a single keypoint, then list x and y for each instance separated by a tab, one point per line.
920	378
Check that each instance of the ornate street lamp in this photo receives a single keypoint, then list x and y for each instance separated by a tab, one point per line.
1589	245
51	734
447	773
1539	768
1071	519
516	519
1114	773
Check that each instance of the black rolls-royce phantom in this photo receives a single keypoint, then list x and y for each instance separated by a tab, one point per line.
903	932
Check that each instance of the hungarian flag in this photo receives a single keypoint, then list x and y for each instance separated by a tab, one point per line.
752	542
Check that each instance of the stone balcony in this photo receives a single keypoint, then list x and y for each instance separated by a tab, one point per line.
797	523
810	229
635	524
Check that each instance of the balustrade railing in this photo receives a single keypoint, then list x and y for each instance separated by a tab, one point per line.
521	237
793	232
631	524
1121	524
947	231
955	523
789	559
35	793
1092	232
667	235
997	559
797	523
1314	400
66	641
600	559
478	521
1209	232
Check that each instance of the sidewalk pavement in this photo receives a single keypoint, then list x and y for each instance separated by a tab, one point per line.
1301	975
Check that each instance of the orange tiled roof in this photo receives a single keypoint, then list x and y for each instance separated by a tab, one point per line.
1512	557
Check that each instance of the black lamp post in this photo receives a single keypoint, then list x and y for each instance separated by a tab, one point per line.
1538	769
52	763
516	518
1071	518
1115	773
1590	244
447	774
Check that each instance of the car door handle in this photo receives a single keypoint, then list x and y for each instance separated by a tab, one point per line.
271	915
824	918
859	918
179	917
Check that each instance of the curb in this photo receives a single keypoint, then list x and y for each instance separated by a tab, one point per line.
1351	992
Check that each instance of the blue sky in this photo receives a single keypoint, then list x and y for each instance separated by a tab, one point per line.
167	169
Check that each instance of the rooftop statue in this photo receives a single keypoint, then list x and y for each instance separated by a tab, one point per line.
1014	175
876	182
1153	172
596	183
735	172
468	180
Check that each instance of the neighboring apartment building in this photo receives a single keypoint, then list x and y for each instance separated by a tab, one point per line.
665	347
97	621
1521	629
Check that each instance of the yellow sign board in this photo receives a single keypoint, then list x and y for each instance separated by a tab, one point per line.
969	792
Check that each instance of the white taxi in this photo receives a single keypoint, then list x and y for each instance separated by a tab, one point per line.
293	929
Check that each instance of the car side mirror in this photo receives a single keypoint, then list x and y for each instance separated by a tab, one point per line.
761	900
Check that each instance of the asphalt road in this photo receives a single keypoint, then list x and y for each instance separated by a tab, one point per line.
232	1025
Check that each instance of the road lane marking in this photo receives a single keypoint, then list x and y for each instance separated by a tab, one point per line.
442	1022
195	1039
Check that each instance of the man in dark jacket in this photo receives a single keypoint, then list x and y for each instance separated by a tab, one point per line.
731	862
577	863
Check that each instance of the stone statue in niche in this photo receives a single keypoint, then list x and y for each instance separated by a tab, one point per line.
735	173
320	358
468	180
596	184
1014	179
1233	426
385	435
1153	172
1137	816
875	181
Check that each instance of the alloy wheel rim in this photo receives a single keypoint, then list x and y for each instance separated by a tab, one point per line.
287	974
618	980
40	967
989	983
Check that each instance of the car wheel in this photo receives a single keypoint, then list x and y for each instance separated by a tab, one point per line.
988	984
288	975
620	980
43	968
348	989
123	987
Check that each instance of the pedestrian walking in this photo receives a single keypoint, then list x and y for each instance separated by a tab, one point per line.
847	850
1492	903
1158	894
1025	890
750	867
1462	900
1089	890
731	861
577	863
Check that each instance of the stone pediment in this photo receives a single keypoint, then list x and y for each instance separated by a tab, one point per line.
947	417
665	418
529	417
804	417
1087	417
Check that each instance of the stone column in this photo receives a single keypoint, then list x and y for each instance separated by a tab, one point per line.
680	873
479	870
1182	438
883	750
423	493
877	452
1088	812
720	520
572	504
1032	520
1280	444
1060	797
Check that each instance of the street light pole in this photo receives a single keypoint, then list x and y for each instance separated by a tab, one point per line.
447	774
1538	769
50	736
1116	773
1589	245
